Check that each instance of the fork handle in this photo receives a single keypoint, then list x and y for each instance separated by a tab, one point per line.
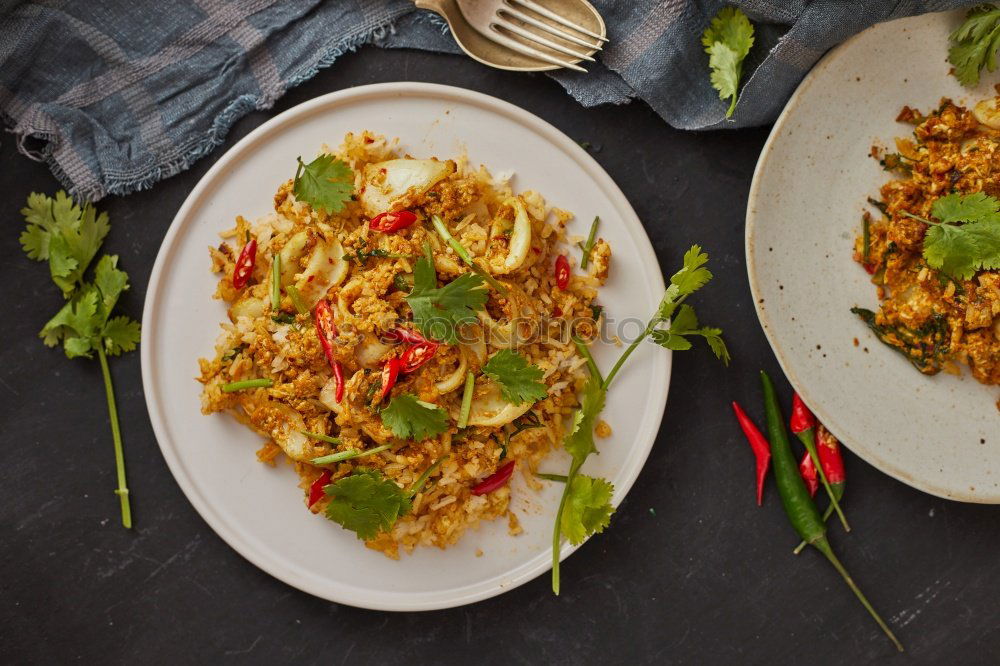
433	5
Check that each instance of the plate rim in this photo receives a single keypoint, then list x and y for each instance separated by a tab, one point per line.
868	454
246	545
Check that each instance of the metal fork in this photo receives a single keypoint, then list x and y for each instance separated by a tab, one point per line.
507	23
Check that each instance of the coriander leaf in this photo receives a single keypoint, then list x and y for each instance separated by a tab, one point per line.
579	443
366	503
588	508
76	324
519	381
693	276
121	334
439	312
685	323
35	241
408	418
41	214
951	250
727	40
957	207
670	340
326	183
974	44
110	281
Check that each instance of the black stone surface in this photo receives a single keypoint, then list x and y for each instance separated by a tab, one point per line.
691	571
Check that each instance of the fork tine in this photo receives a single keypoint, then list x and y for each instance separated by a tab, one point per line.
551	29
524	49
548	13
538	39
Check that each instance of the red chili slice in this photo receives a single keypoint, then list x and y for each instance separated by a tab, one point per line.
406	335
390	371
417	355
390	222
316	489
562	271
495	480
244	264
326	330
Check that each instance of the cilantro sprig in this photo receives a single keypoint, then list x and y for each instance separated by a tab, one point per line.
326	183
519	381
585	507
975	43
410	418
439	311
965	237
68	237
727	41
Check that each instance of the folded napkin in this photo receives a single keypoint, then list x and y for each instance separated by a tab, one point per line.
115	95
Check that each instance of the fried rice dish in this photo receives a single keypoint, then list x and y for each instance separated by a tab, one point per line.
399	330
939	319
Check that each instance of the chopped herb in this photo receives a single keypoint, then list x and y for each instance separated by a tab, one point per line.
966	237
232	387
366	503
866	238
350	454
325	183
560	478
320	437
403	282
409	418
293	293
276	282
595	311
439	312
588	247
463	415
464	254
519	381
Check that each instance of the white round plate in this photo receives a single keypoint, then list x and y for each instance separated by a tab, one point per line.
257	509
939	434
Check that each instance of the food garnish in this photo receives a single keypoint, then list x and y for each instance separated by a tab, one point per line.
410	418
68	237
585	507
519	381
975	43
799	506
562	271
495	480
388	223
440	311
326	330
965	237
245	263
588	247
326	183
759	445
727	41
803	425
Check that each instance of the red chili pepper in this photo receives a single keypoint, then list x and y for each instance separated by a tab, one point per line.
316	489
830	458
808	472
244	264
390	371
417	355
761	449
562	271
870	268
802	419
390	222
327	331
495	480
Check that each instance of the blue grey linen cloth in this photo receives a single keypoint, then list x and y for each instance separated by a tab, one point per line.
115	95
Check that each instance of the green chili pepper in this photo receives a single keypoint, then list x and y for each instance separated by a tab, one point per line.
799	506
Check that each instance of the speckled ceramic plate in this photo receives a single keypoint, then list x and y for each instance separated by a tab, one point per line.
940	434
258	509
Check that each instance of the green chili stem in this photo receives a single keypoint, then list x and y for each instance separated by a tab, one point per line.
590	242
561	478
276	282
464	254
348	455
585	352
321	437
808	439
426	475
116	436
247	384
823	546
463	415
296	297
574	469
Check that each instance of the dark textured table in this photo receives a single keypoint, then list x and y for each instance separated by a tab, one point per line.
691	570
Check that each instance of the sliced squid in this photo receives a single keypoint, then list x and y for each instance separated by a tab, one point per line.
491	410
455	379
288	433
520	238
987	113
389	182
248	306
327	268
371	351
290	255
328	396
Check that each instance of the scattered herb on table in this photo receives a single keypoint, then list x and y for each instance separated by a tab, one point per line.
326	183
68	237
975	43
519	381
799	506
965	238
585	507
727	41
